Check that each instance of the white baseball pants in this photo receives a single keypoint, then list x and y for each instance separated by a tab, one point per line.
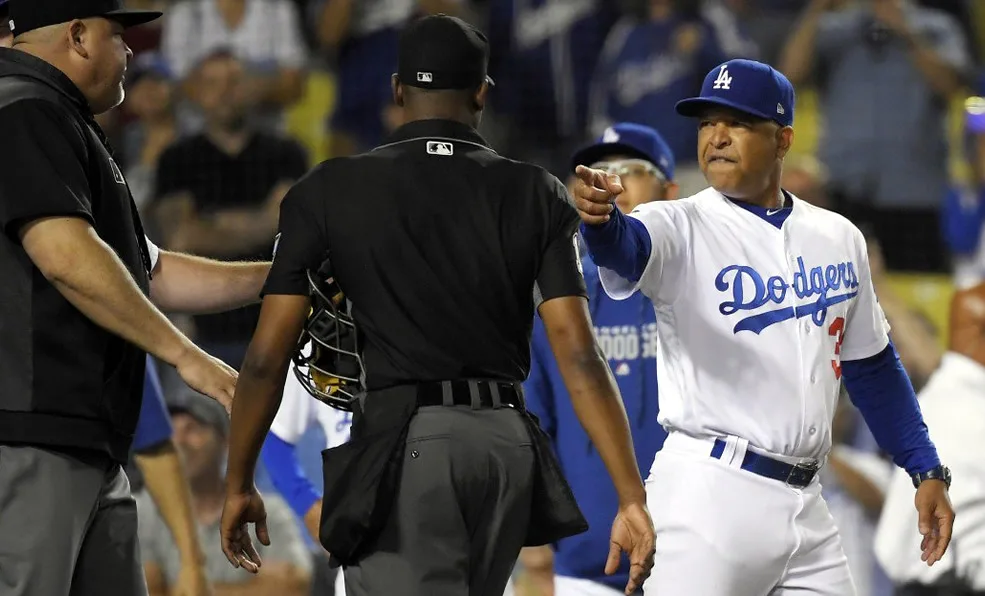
573	586
723	531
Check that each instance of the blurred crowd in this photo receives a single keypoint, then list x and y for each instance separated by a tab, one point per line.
230	101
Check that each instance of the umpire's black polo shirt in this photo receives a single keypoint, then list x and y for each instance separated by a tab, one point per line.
443	247
64	381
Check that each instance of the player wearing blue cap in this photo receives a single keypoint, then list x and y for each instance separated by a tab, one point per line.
765	306
627	334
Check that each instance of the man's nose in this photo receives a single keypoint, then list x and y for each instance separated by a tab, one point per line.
720	136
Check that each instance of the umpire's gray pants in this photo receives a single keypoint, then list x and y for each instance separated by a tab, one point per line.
68	526
461	512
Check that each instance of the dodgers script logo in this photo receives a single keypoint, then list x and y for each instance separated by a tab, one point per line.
831	284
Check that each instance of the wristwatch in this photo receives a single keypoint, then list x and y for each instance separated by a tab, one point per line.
937	473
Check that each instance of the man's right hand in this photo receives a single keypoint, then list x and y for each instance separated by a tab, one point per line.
209	376
632	533
594	194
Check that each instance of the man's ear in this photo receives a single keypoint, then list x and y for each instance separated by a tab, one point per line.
784	140
78	34
398	90
480	96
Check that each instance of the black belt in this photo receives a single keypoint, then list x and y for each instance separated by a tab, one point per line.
476	394
796	475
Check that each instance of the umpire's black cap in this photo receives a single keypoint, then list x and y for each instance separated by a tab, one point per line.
443	52
27	15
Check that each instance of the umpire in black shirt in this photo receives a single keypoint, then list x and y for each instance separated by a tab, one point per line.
79	293
443	249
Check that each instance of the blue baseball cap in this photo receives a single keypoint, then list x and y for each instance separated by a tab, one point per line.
747	86
630	139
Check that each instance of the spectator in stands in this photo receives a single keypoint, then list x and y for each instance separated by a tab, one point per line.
201	427
953	405
264	34
885	72
361	36
854	486
150	101
543	56
963	212
218	193
652	60
767	23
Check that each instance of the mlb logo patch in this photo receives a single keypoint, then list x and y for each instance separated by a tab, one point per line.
440	148
424	77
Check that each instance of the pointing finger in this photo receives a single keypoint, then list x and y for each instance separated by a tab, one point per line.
592	194
587	175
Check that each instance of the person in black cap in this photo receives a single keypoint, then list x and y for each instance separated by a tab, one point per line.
79	308
444	250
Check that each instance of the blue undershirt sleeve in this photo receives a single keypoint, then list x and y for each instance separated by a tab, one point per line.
881	390
621	244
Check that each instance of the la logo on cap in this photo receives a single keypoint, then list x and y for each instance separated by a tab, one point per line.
610	135
724	80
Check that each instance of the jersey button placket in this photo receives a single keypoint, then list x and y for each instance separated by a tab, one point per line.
804	366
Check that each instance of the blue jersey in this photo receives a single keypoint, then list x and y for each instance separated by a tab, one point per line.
154	423
627	335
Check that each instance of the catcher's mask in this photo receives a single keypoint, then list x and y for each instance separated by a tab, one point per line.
327	360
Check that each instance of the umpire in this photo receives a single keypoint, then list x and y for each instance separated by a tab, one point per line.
444	249
76	319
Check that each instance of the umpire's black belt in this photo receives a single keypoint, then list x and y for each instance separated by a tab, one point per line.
795	475
474	393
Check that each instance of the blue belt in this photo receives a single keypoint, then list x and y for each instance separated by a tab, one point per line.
795	475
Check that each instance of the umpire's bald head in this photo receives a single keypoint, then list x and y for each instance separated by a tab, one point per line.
442	70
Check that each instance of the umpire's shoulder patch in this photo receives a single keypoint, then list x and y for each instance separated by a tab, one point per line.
440	148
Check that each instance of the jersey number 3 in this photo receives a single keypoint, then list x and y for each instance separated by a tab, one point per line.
837	330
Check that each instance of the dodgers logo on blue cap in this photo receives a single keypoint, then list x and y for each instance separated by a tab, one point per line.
632	139
747	86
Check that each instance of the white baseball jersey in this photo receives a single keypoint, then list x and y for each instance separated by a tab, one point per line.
754	320
299	410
